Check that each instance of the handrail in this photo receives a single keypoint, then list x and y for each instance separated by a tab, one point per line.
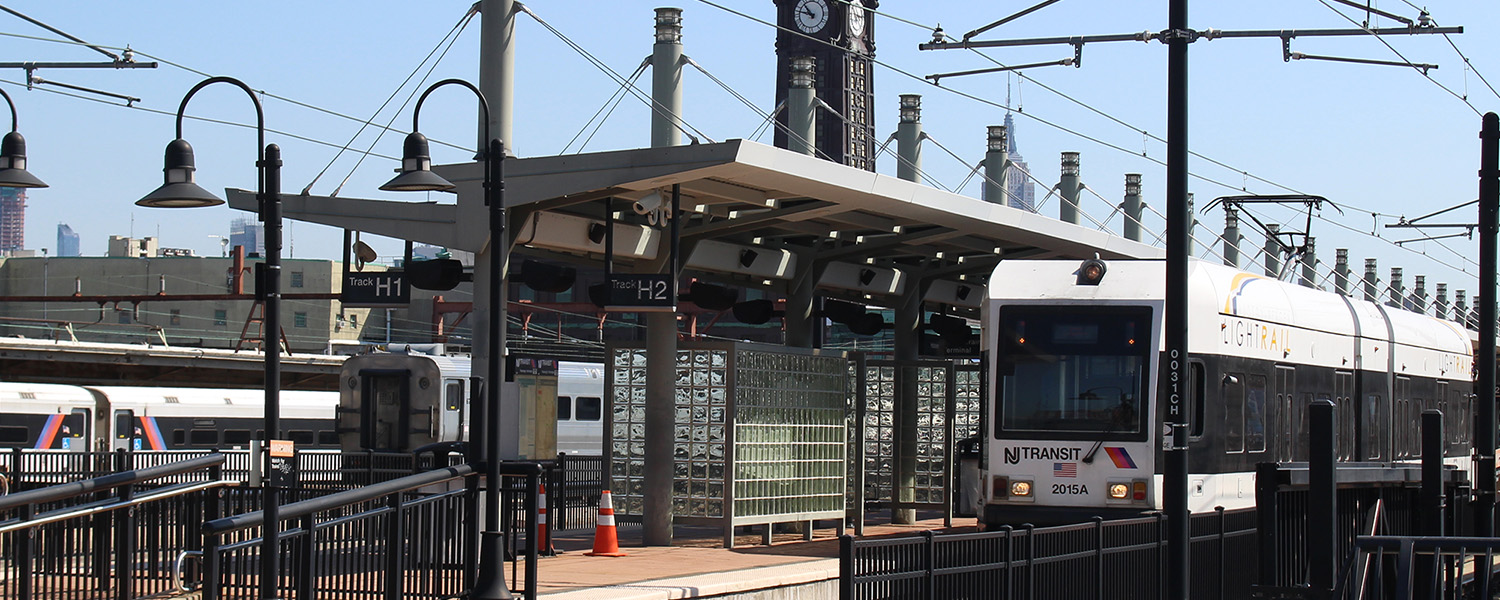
154	495
331	501
78	488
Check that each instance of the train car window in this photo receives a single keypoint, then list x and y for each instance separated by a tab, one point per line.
1304	427
564	408
124	425
328	438
203	437
179	437
1255	413
1196	408
1076	371
590	408
1234	412
302	437
1374	438
76	424
14	435
453	394
236	437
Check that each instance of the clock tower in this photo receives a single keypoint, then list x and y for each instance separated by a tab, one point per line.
839	36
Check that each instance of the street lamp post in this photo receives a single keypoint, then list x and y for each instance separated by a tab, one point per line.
417	176
13	155
178	190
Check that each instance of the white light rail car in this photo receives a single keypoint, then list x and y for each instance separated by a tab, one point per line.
41	416
401	401
1074	417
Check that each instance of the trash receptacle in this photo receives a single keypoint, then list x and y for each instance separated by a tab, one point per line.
970	497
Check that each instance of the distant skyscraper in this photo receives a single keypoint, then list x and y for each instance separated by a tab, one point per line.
1020	190
248	233
12	219
67	241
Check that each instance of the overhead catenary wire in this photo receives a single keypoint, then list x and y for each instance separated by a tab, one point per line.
1403	58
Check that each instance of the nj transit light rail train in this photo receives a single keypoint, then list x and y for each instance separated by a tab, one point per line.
1075	421
401	401
41	416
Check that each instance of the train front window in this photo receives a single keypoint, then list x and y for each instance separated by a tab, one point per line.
1078	371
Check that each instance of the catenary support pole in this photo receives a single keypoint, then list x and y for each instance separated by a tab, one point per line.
1484	414
1175	369
997	166
1067	187
661	327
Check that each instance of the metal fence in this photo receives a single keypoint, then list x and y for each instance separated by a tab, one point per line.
1101	559
1419	567
114	536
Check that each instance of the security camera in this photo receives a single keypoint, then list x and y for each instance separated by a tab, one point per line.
647	204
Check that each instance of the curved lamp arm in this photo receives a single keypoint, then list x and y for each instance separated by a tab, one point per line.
484	105
260	115
12	106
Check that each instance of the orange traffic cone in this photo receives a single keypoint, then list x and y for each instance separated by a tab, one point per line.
606	540
545	547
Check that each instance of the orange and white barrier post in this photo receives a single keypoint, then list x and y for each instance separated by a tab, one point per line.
606	538
542	533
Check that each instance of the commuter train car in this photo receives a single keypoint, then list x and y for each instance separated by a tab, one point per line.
43	416
1074	420
401	401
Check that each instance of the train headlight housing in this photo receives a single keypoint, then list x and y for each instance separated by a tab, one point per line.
1020	489
1118	491
1091	272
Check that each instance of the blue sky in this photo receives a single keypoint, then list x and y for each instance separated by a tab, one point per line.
1372	139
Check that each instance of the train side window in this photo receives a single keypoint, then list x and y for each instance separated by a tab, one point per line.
14	435
328	437
590	408
124	424
302	437
1234	412
179	437
454	394
564	408
236	437
1255	413
203	437
1374	438
1199	400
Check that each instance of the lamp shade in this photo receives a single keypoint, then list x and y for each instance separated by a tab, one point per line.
416	169
13	163
178	190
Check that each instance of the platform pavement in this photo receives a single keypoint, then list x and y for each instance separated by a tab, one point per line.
697	565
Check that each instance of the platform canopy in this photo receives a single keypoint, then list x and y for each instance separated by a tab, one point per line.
802	215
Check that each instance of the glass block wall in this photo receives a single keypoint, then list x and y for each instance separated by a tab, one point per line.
881	383
779	414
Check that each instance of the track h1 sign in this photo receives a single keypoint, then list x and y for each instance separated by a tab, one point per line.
385	289
651	292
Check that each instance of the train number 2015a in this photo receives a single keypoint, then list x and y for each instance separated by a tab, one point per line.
1069	489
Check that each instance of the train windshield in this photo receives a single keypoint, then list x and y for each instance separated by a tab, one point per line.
1073	371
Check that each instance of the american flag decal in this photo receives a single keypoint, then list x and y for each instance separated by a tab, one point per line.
1066	469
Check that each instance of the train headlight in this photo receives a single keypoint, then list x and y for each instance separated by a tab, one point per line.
1020	489
1118	491
1091	272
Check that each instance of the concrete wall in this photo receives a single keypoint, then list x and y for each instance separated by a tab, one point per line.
210	323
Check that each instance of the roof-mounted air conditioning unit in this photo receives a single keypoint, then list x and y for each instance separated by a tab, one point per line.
724	257
571	233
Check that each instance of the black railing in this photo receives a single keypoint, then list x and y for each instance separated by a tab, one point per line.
1419	567
1101	559
115	536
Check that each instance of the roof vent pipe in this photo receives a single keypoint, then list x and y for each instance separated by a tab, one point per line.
909	139
1132	207
1341	271
996	171
1067	187
802	107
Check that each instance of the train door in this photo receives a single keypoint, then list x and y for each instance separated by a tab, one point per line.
455	406
385	413
124	436
1288	412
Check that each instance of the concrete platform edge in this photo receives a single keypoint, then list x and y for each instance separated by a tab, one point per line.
711	584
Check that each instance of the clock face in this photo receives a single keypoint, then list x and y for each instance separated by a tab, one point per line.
856	20
811	15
